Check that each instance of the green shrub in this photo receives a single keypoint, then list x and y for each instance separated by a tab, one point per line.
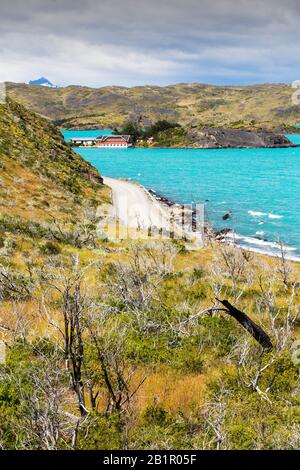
155	414
198	273
104	433
50	248
188	360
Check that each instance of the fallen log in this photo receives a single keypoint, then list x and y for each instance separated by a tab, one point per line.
255	330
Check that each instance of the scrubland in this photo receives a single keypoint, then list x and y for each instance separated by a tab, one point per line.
123	344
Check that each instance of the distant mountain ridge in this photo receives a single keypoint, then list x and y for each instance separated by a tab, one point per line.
188	104
42	81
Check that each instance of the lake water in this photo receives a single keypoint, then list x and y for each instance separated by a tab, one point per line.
295	138
68	135
260	187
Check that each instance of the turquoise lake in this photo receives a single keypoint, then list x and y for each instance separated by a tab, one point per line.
68	135
295	138
260	187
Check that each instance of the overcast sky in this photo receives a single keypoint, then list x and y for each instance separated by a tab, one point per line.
137	42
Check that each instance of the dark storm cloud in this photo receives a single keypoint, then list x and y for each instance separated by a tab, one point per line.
160	41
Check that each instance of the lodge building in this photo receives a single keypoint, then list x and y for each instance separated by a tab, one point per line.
111	141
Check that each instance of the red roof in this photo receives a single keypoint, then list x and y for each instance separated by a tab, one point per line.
114	138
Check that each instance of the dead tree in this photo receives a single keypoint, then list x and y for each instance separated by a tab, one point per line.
14	284
74	305
233	265
284	268
42	422
75	350
109	343
255	330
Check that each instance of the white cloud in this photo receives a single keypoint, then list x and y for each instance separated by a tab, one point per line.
84	63
133	42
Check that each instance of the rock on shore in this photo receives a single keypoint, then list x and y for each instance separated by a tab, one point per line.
236	138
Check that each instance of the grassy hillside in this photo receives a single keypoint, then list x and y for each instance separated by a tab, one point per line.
192	104
122	344
41	176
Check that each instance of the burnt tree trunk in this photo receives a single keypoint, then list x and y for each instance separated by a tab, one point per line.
255	330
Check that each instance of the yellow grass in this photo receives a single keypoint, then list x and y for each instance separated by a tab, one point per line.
172	391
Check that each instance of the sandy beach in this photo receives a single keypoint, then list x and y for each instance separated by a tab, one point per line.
135	207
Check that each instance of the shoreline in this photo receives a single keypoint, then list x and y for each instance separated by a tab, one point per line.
133	205
191	148
229	236
152	208
137	207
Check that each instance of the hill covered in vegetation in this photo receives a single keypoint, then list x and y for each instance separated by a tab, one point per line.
167	134
35	158
187	104
129	344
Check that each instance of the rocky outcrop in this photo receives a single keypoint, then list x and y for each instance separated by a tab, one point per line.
236	138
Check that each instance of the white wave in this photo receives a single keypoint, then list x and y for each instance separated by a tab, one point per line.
233	236
277	254
262	246
266	244
257	213
264	214
260	233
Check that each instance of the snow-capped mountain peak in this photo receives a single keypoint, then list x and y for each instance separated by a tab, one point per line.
42	82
